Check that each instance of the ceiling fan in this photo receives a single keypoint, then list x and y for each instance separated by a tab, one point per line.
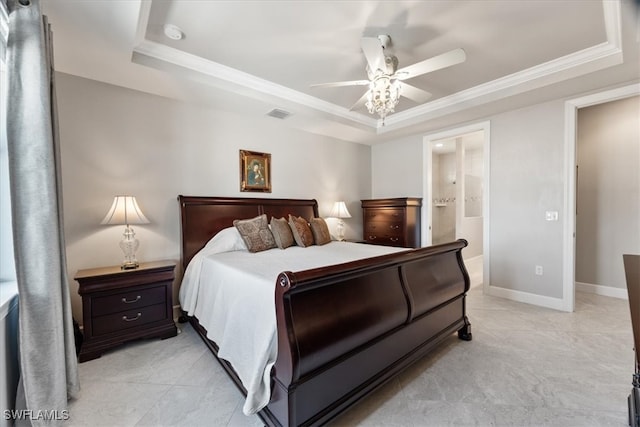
386	81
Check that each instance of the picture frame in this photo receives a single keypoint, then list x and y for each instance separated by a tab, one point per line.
255	171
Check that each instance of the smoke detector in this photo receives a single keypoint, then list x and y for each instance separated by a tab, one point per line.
173	32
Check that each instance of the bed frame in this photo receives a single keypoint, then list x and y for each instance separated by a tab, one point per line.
346	329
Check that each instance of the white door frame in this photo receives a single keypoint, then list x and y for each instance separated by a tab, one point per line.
570	145
427	195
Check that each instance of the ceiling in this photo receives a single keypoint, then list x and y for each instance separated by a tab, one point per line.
250	57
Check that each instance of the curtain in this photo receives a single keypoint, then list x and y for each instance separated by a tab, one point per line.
48	364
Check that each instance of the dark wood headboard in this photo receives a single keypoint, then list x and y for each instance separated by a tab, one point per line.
203	217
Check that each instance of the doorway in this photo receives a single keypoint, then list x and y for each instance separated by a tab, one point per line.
569	225
455	203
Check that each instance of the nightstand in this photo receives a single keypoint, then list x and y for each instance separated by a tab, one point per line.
122	305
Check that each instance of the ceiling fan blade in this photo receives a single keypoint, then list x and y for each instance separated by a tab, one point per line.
413	93
339	84
439	62
373	51
360	102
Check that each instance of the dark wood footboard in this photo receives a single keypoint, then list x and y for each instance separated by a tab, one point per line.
346	329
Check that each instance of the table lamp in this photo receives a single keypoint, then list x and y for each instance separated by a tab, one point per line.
125	211
340	211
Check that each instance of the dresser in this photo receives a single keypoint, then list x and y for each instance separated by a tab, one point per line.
392	222
122	305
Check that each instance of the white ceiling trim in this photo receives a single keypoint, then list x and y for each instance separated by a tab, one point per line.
221	75
573	65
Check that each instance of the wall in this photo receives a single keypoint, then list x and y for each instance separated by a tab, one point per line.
396	168
527	166
608	191
119	141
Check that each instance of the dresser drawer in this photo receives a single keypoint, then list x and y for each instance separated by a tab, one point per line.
385	240
128	319
385	215
383	228
129	300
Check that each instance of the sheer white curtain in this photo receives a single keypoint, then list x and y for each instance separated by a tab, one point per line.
48	364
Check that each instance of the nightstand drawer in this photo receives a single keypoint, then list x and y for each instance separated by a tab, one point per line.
128	319
128	300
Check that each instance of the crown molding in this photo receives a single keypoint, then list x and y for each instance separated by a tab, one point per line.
576	64
220	76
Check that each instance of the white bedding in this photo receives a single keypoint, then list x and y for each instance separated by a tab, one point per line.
231	292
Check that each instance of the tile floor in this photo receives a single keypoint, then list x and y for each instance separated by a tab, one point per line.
526	366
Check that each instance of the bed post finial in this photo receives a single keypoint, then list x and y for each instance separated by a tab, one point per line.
283	279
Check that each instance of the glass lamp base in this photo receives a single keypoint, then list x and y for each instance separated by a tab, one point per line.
340	231
129	245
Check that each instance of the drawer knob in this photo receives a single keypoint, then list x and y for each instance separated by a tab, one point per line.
372	237
394	239
394	227
126	319
126	301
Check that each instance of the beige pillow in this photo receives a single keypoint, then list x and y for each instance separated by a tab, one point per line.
301	231
255	233
282	233
320	231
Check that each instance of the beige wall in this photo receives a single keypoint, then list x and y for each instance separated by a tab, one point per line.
527	167
120	141
608	191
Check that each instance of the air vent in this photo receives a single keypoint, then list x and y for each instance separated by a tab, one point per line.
278	114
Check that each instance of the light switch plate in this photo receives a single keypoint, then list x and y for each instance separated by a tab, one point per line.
551	215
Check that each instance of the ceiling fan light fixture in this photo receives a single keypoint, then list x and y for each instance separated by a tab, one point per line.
383	95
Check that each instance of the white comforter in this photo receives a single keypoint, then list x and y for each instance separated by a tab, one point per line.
231	292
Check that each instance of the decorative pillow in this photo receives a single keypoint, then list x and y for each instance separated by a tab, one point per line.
282	233
301	231
255	233
320	231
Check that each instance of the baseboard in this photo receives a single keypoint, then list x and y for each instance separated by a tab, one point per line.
526	297
607	291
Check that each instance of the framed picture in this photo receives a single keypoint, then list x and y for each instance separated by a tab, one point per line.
255	171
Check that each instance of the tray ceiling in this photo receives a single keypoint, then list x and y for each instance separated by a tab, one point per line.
254	56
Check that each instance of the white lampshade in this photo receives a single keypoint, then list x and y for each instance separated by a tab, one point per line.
339	210
124	211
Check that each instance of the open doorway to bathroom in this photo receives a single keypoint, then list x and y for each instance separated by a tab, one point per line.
455	196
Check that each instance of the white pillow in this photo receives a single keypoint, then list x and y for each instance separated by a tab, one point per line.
227	240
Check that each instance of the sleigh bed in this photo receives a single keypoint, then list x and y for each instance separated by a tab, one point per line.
340	330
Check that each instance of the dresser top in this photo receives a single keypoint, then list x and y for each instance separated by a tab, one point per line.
117	270
398	201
